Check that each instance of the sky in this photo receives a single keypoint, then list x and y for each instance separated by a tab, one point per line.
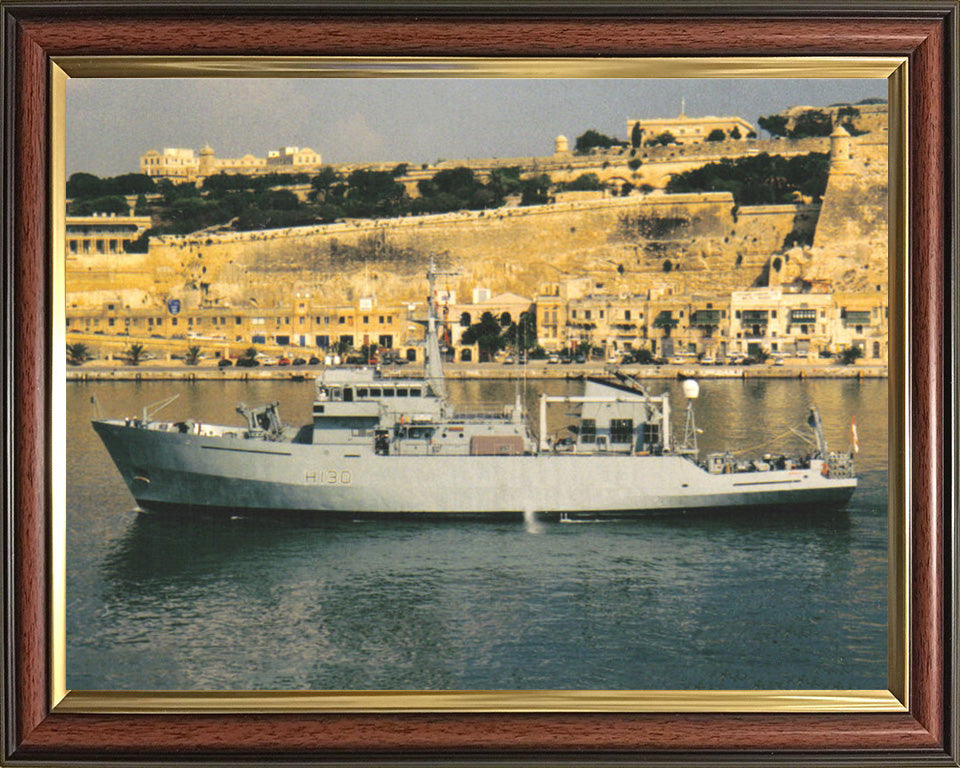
112	122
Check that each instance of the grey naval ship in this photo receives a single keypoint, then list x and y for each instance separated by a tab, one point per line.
381	445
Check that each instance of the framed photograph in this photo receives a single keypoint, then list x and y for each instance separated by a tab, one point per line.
152	613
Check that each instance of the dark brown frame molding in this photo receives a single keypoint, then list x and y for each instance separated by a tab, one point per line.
926	32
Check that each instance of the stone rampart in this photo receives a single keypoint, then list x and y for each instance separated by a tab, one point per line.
704	237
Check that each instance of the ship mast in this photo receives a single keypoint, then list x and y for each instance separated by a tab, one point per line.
433	366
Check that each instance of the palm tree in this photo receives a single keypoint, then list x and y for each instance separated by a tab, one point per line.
77	353
193	355
135	354
250	354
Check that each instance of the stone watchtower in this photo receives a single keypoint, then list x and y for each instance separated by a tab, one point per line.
561	147
840	151
207	163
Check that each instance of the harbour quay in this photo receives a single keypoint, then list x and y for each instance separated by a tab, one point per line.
535	370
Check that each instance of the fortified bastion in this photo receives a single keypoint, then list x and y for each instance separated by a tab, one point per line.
693	242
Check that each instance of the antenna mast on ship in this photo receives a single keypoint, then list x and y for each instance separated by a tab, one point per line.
433	366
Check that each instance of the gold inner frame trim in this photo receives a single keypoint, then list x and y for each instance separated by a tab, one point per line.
893	69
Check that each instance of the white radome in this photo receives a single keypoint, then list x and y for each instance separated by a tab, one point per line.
691	390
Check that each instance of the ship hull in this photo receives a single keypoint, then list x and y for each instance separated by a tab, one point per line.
171	471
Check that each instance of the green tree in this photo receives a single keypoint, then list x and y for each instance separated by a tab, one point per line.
135	353
735	133
84	185
758	179
585	182
486	335
108	204
716	134
812	122
250	353
193	355
593	139
77	353
850	355
775	125
634	164
535	190
636	136
323	183
662	140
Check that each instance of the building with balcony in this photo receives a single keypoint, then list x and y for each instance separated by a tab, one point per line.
102	233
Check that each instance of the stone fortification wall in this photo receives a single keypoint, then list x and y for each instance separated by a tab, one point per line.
851	242
705	239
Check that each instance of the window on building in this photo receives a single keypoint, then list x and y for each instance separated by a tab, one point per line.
342	320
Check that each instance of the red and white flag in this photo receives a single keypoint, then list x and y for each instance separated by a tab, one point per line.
853	435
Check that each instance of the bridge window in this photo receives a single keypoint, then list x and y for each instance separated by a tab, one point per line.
361	392
348	394
401	392
374	391
588	430
621	430
651	434
388	391
414	391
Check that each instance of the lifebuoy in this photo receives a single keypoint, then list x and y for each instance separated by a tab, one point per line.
825	470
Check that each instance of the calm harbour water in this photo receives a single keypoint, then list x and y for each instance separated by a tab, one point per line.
733	601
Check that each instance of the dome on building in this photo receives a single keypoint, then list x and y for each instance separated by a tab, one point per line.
560	144
206	151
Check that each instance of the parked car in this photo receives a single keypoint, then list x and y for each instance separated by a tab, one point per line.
299	361
314	360
284	361
225	362
247	362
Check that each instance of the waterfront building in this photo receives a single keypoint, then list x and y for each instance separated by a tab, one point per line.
861	320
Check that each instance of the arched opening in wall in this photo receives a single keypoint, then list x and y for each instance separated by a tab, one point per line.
466	355
411	355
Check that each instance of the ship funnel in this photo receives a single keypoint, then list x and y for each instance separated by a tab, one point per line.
691	390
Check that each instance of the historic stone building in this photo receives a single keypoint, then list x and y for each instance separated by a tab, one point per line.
102	233
692	130
185	165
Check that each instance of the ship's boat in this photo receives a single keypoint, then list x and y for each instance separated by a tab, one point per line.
380	445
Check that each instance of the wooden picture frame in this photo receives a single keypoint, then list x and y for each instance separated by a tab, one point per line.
35	34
